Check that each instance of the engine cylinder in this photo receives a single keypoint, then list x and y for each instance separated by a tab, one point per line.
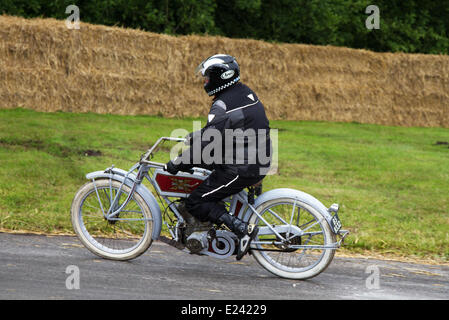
197	241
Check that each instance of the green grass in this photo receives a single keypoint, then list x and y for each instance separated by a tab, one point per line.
392	183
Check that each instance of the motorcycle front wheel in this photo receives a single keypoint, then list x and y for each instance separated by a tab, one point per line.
122	237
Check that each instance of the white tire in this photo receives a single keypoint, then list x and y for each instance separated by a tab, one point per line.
320	261
119	240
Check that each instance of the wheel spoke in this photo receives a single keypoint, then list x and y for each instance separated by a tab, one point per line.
291	218
310	226
277	216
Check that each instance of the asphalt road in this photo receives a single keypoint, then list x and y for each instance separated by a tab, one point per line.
34	267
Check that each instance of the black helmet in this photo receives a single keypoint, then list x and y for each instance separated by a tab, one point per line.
221	71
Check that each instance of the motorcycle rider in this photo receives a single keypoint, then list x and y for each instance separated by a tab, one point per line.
234	107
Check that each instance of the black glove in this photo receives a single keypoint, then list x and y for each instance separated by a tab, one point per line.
170	167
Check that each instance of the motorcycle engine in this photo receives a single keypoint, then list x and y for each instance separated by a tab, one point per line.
202	238
197	241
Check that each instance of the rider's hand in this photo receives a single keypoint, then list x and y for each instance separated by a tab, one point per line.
171	168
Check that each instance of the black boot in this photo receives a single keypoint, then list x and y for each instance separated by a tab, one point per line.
244	231
192	223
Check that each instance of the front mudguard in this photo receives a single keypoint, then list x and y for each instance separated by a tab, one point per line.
291	194
150	200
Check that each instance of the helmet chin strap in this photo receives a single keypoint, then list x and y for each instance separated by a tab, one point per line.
230	83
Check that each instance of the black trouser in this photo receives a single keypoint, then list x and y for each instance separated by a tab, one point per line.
204	202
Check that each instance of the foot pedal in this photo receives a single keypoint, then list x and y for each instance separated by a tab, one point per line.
172	242
252	233
211	234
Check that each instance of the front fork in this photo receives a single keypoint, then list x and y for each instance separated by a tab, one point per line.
113	211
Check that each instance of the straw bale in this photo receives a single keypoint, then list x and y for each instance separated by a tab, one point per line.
47	67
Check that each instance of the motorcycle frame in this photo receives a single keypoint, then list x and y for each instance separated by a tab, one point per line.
143	168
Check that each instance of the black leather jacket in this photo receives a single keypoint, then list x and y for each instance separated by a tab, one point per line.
237	119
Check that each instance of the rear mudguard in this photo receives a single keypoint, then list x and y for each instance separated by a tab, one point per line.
150	200
292	194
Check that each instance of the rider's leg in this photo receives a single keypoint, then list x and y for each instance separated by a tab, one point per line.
205	201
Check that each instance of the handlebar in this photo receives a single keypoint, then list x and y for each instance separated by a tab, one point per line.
145	157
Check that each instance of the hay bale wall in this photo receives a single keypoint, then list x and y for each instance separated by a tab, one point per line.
47	67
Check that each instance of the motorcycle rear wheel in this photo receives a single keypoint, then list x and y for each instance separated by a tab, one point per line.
289	261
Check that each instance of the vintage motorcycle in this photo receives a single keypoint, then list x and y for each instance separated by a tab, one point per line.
117	217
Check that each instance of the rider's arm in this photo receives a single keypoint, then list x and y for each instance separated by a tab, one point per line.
217	119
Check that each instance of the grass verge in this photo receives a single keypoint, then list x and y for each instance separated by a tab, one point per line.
392	182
